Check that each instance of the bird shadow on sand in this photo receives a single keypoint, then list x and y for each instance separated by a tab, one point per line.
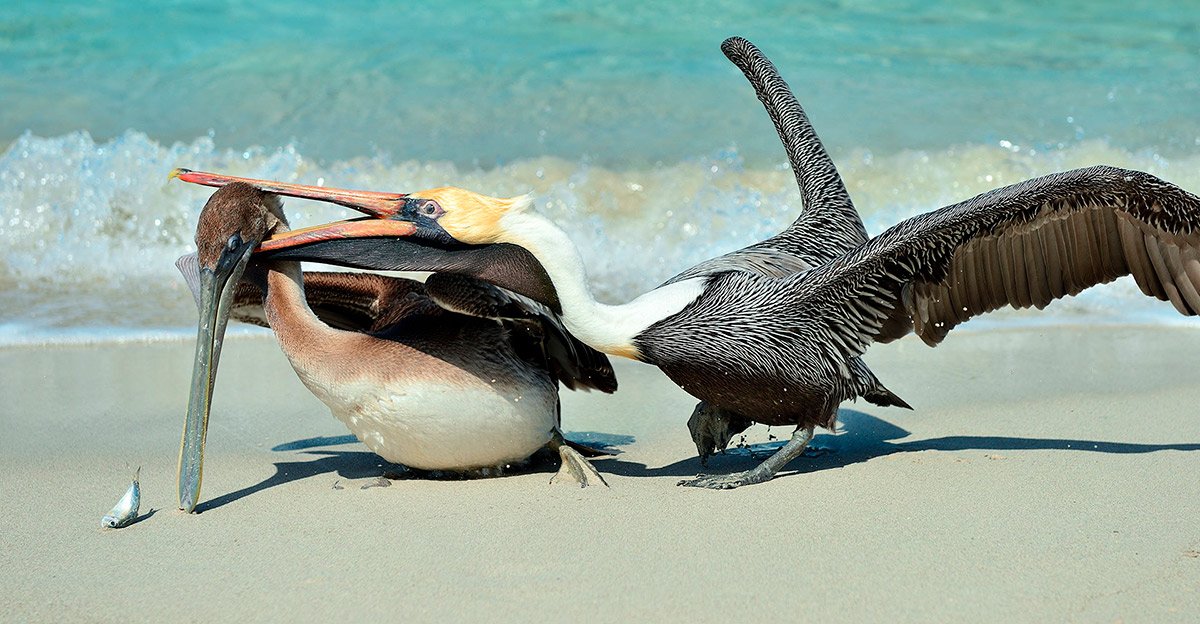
345	464
352	465
865	437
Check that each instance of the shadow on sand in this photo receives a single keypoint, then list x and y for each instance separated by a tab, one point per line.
345	464
365	464
865	437
862	437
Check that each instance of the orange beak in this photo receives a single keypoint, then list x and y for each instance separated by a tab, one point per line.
381	207
378	205
385	242
362	227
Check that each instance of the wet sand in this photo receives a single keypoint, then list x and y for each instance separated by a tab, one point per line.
1046	474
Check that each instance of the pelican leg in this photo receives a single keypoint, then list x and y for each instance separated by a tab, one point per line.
763	472
575	467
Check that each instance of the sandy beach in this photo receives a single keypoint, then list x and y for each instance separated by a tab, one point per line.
1047	474
1050	471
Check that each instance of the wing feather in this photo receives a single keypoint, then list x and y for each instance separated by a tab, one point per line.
1022	245
362	302
829	225
571	362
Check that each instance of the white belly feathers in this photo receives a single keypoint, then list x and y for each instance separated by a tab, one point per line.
443	426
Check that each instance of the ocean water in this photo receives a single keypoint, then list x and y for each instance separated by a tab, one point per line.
624	120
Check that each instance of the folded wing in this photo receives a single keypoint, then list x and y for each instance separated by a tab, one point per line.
371	303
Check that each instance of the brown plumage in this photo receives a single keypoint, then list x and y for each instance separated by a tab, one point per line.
785	349
455	374
1063	250
1026	245
376	304
774	333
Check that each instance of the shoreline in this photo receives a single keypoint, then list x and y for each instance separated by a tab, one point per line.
1045	474
78	337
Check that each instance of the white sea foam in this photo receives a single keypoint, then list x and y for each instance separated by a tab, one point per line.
89	231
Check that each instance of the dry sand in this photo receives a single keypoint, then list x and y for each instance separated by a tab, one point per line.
1046	475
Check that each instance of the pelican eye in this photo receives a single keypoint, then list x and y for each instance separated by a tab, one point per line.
428	209
233	242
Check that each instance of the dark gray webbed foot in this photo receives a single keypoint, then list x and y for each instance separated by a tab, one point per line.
712	428
762	472
728	481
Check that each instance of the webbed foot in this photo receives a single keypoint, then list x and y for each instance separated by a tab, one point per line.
575	467
762	472
727	481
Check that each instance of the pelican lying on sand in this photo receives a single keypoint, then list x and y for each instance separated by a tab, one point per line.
759	336
454	374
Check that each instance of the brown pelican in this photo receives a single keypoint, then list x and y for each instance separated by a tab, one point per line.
783	350
451	375
761	337
828	227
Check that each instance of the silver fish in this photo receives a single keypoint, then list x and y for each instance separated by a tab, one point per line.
126	510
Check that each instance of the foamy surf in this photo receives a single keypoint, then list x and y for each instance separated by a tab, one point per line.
89	230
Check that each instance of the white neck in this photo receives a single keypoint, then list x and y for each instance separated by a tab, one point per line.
607	328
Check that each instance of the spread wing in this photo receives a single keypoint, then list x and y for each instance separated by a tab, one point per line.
829	226
1022	245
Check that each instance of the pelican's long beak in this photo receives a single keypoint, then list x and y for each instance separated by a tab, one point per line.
383	209
393	238
363	227
379	205
216	286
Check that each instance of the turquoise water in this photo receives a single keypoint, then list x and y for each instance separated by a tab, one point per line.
624	119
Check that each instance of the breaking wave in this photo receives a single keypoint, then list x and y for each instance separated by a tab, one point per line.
89	230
